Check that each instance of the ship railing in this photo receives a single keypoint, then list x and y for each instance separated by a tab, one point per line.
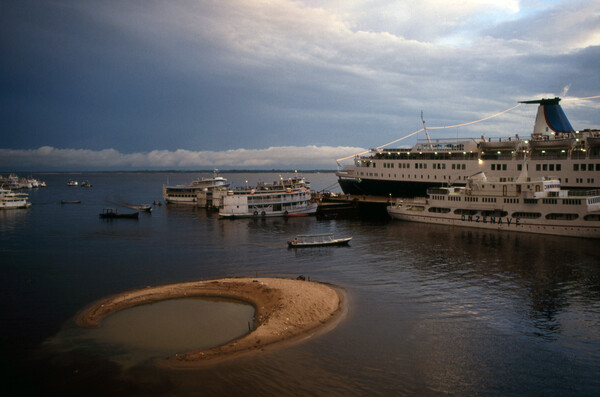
437	190
583	193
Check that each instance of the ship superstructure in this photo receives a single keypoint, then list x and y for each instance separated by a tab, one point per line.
554	148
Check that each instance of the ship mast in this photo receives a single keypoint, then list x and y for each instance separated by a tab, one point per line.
426	132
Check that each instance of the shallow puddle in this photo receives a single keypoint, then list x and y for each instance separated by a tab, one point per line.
161	329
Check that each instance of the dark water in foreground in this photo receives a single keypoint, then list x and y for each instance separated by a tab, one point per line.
432	310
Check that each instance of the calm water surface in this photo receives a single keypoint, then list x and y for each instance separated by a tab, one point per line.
432	310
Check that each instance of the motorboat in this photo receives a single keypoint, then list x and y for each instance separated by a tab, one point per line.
317	240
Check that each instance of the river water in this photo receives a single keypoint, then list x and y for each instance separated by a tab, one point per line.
432	310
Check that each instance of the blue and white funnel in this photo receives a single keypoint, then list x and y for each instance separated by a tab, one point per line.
550	117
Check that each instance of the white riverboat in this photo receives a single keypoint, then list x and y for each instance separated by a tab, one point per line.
521	205
287	197
554	148
188	193
10	200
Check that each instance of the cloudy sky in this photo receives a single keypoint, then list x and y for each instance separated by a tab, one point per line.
263	84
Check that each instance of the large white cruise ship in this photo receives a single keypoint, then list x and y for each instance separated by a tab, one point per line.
554	148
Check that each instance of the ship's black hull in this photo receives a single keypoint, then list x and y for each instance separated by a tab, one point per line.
378	187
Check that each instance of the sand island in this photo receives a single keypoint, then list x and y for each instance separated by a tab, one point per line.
286	310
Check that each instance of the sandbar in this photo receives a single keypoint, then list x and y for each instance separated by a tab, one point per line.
285	310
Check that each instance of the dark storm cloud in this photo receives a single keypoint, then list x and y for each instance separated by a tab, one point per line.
231	77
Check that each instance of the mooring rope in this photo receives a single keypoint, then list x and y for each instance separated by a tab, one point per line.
457	125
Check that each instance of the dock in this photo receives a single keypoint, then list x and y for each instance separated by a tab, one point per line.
352	206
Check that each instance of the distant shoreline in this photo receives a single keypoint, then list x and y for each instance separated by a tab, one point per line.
242	171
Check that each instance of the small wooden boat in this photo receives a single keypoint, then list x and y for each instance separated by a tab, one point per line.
141	207
111	213
70	201
86	184
317	240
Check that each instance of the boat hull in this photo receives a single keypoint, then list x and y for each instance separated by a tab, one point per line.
311	209
557	228
338	242
379	187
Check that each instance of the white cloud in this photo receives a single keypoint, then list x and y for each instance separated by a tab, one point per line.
50	158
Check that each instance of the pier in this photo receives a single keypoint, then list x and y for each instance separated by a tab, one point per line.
333	206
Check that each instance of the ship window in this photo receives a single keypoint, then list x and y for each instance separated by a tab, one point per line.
519	167
503	167
545	167
562	217
558	167
575	167
439	210
598	167
551	167
465	212
592	217
538	167
583	167
493	167
527	215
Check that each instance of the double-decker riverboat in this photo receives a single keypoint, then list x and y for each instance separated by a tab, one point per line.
188	193
10	200
554	148
522	205
287	197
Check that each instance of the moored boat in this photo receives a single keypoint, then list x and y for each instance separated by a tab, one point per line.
188	193
317	240
70	201
523	205
141	207
554	148
287	197
10	200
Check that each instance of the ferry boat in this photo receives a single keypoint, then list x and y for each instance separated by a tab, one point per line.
287	197
10	200
554	148
523	205
188	194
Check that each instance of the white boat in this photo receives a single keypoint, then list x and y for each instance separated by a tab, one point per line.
287	197
10	200
188	193
538	206
72	183
317	240
554	148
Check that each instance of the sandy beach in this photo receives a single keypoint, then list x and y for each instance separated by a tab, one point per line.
286	310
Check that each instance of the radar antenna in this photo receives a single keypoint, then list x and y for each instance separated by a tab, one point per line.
426	132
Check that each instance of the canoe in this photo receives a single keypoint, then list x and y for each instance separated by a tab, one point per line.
317	240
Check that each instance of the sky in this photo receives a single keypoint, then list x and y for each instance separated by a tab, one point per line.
278	84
